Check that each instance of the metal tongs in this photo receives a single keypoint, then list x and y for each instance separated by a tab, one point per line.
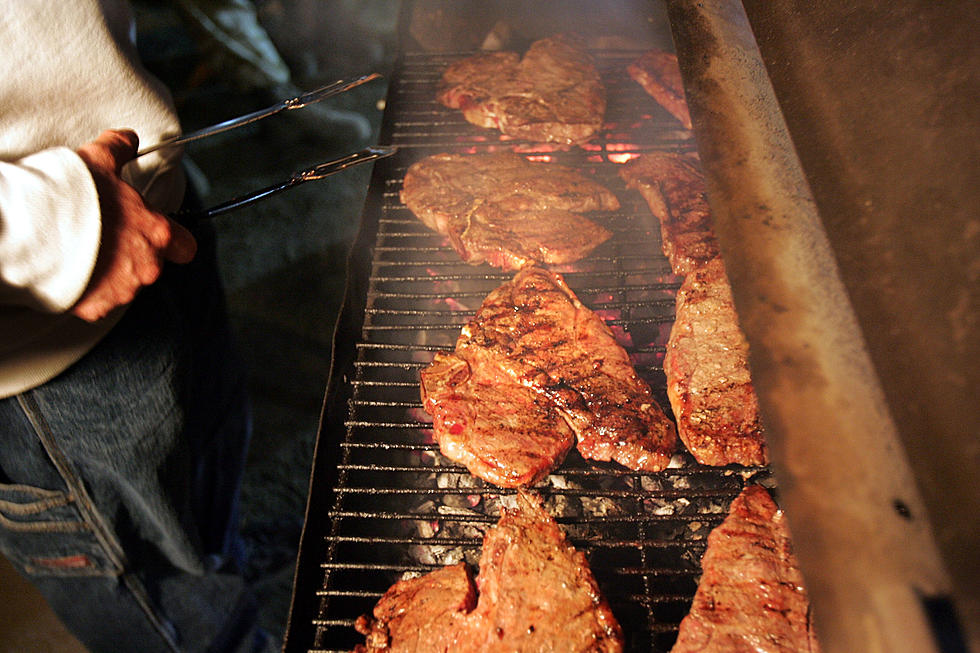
306	99
316	172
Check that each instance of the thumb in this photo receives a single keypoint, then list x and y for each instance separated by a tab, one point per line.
120	145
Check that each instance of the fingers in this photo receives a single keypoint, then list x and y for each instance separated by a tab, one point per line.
111	150
181	246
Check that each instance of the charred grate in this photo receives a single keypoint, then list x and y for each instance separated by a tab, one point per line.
396	506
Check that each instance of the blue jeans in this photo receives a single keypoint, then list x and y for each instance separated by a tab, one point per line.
119	478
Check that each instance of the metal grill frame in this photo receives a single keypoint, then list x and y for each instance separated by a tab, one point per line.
645	562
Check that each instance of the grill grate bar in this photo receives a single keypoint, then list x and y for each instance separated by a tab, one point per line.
577	492
475	542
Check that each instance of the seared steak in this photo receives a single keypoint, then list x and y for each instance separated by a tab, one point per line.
553	94
421	614
659	75
708	380
505	210
501	431
751	595
673	186
536	593
536	331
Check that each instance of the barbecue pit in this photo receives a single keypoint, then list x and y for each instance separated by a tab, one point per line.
384	504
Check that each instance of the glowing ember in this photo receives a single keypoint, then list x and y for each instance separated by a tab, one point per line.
456	305
540	157
473	500
622	158
540	147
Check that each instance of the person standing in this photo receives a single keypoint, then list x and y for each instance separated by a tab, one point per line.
123	415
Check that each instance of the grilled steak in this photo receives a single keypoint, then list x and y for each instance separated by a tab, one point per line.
708	380
673	186
505	210
751	595
536	593
534	330
553	94
501	431
420	614
659	75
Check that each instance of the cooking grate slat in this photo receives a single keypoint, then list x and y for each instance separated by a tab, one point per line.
394	506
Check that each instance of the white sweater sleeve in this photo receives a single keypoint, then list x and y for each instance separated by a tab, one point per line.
50	229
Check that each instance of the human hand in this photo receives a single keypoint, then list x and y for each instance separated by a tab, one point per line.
136	240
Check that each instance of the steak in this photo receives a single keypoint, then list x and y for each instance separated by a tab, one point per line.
751	595
534	330
503	209
536	593
660	76
501	431
554	94
708	381
674	188
420	614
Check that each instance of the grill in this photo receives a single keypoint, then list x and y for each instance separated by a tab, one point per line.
384	504
397	506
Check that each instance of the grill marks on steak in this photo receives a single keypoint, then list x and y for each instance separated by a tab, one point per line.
660	76
708	379
553	94
536	593
751	595
534	330
483	419
503	209
674	189
707	369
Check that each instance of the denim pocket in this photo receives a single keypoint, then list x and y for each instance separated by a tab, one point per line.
44	534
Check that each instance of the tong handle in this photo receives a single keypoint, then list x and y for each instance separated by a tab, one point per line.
306	99
316	172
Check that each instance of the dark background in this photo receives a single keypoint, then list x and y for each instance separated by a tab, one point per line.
283	260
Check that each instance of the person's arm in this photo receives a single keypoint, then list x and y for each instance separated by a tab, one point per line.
74	236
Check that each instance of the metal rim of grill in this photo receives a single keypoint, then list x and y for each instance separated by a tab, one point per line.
384	503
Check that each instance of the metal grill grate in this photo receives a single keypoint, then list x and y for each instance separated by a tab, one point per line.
397	506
